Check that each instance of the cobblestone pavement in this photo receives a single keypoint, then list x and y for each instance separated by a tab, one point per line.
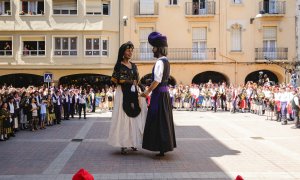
210	146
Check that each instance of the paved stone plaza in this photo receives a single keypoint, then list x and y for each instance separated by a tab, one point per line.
210	146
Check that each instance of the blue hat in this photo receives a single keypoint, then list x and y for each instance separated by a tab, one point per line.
157	40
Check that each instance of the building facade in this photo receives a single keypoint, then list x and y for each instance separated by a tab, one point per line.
222	40
62	37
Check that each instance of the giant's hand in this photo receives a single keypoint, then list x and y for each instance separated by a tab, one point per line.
144	94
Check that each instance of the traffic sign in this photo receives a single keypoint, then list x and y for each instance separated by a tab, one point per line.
48	77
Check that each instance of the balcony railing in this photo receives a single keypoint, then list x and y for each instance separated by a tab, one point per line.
65	11
271	53
178	54
200	9
65	53
5	52
272	7
146	11
33	52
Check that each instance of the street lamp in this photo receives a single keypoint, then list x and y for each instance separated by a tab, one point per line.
257	16
125	18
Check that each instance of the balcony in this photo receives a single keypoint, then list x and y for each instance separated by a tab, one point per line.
146	10
272	8
178	54
204	9
271	54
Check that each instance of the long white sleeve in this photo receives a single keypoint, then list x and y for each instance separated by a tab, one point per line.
158	71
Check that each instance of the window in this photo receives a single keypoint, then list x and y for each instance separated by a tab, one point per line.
5	46
93	7
145	47
5	7
96	46
202	4
173	2
65	7
236	38
106	8
271	6
97	7
237	1
104	47
33	46
270	42
146	7
199	43
32	7
199	7
65	46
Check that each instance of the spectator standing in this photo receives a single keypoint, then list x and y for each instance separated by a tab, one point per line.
43	111
82	100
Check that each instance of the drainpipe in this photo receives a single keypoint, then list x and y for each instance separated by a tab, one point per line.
119	23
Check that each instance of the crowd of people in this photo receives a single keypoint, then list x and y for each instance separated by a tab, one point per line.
143	114
133	121
277	102
35	108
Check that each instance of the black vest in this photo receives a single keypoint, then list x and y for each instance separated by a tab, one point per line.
294	106
166	73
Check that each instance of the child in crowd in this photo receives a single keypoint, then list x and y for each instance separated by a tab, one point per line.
51	114
43	111
34	110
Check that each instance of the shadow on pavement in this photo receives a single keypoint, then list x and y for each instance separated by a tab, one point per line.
32	152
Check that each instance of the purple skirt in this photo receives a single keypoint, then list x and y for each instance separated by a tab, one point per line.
159	133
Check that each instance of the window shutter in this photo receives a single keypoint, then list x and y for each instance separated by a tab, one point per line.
144	33
199	34
146	7
65	4
145	47
40	38
270	33
5	38
93	6
236	40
